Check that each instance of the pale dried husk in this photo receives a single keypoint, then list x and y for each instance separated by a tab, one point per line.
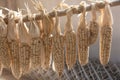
47	25
24	36
12	30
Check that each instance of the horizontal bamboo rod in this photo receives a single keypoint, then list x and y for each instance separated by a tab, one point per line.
60	13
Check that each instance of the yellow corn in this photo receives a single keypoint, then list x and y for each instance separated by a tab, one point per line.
105	35
83	39
70	41
58	48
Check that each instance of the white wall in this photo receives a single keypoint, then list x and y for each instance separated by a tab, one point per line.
94	49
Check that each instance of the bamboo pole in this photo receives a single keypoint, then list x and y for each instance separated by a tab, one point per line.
60	13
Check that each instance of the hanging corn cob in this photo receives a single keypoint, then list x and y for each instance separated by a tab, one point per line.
24	48
47	24
4	49
46	28
93	27
70	41
83	38
105	34
58	47
35	46
47	43
13	45
34	31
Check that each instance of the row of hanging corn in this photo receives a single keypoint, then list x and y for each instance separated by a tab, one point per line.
27	46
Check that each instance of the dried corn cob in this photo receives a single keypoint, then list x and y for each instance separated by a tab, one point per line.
15	65
35	58
93	27
35	51
14	46
58	47
83	38
47	24
46	28
34	31
24	52
70	41
4	49
47	45
24	48
4	52
105	34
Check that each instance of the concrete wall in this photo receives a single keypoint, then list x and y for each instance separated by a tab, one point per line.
94	49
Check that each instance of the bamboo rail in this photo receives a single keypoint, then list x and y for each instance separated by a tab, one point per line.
60	13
